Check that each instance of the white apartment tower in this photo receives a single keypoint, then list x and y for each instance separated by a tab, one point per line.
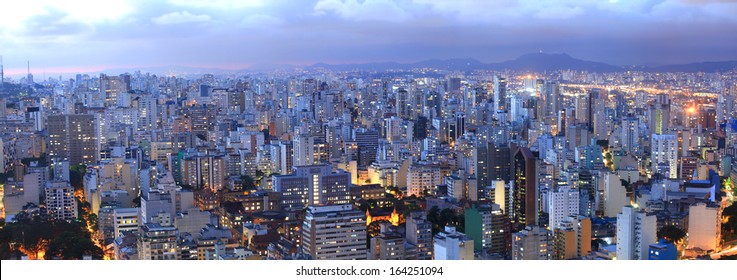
635	232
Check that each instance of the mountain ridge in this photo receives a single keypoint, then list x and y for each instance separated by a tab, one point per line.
536	62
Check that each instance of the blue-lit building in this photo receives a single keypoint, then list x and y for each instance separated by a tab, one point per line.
662	250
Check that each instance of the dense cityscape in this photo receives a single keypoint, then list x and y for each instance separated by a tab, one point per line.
324	164
367	138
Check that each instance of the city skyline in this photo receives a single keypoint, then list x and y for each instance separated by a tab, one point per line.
234	35
368	130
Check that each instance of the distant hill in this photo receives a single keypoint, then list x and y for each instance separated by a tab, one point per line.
537	62
549	62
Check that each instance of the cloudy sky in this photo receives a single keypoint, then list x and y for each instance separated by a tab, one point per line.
90	35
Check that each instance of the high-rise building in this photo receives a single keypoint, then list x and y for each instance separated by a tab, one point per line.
335	232
562	203
630	137
156	242
74	138
532	243
664	157
572	238
419	234
313	185
286	149
660	114
204	170
114	87
500	94
615	195
525	193
452	245
704	226
303	147
478	226
125	219
60	201
388	245
368	143
422	178
551	102
636	230
403	105
490	229
492	162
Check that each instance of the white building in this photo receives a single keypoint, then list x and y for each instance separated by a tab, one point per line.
630	136
665	151
704	226
452	245
562	203
335	232
125	219
615	194
60	202
635	232
422	178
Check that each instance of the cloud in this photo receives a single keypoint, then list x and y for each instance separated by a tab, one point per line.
260	20
180	17
368	10
560	12
219	4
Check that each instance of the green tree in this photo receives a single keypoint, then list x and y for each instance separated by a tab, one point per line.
92	221
730	224
446	217
671	233
76	175
72	246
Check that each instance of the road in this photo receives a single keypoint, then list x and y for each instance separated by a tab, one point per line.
727	252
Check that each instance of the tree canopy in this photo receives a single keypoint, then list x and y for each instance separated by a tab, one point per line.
671	233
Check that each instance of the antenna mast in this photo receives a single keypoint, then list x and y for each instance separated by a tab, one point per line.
2	74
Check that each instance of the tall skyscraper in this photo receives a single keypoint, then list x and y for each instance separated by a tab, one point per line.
500	94
660	114
335	232
664	157
636	230
74	138
630	137
525	192
562	203
551	101
492	162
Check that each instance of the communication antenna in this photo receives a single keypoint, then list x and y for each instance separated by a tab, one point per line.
2	74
